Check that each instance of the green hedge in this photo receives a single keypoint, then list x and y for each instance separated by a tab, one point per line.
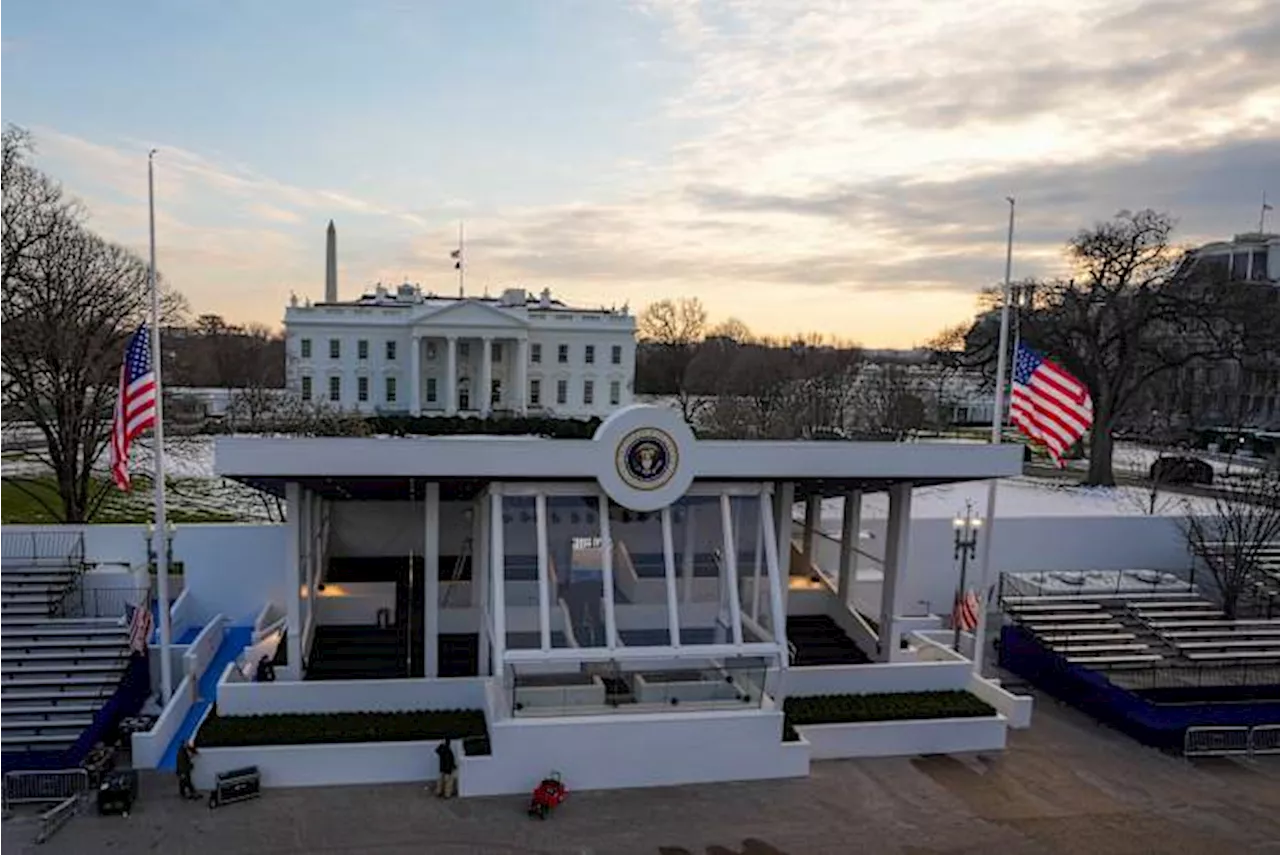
836	709
552	428
226	731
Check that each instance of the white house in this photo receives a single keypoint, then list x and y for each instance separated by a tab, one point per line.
404	350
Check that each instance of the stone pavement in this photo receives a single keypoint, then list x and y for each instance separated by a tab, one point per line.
1065	786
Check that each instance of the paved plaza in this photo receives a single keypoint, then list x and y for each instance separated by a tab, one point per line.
1065	786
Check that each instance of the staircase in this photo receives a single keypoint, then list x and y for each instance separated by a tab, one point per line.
459	654
55	674
356	653
819	640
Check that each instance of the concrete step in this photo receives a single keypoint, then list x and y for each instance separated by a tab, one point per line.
39	727
10	671
43	710
47	742
44	622
19	657
34	610
67	645
54	695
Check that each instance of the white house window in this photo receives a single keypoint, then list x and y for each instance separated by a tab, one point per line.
535	353
615	355
391	351
362	388
562	354
306	348
562	391
335	388
306	387
362	349
391	390
588	392
431	390
615	392
431	350
535	393
495	351
589	354
464	350
335	348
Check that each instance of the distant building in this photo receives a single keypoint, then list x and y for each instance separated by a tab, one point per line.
1251	257
404	350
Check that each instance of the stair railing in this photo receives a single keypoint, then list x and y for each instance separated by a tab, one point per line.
458	568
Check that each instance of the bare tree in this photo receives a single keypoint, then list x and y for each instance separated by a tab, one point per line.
1129	316
888	402
670	331
1243	519
70	302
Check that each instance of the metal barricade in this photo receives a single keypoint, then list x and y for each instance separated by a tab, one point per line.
1216	741
30	787
57	816
1264	739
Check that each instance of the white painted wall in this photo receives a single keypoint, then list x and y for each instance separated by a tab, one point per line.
877	678
904	738
323	765
332	696
375	528
1015	708
148	748
605	752
204	647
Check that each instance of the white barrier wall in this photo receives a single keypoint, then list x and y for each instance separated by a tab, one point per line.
334	696
324	765
606	752
147	749
204	647
877	678
904	738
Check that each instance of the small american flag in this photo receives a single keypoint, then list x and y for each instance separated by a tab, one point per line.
1048	404
965	615
135	404
140	625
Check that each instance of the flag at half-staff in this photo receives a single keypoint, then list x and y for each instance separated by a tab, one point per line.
135	409
965	613
1047	403
140	624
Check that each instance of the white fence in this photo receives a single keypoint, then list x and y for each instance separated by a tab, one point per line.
39	545
351	696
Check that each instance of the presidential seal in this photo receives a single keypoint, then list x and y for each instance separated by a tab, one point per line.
647	458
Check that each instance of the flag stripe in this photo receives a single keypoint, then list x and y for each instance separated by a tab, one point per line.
1047	403
135	409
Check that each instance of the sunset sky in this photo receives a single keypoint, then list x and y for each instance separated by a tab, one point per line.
837	167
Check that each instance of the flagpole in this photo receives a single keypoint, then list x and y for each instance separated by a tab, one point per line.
997	428
462	266
160	546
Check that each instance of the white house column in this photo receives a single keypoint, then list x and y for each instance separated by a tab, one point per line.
451	376
415	375
431	580
850	530
293	590
897	540
486	376
520	401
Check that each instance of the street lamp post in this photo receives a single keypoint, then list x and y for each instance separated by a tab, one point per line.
966	543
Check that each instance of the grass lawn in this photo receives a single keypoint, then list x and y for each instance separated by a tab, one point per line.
899	706
187	502
227	731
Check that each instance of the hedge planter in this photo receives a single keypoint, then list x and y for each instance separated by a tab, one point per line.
259	730
834	709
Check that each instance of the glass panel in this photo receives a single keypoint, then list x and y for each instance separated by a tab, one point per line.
753	570
576	564
520	572
704	600
639	579
627	688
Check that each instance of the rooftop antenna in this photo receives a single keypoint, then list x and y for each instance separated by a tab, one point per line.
1262	215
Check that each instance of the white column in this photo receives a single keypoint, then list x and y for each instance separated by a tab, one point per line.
784	497
731	567
451	376
544	575
431	581
520	401
486	376
755	571
480	579
850	530
897	541
777	579
606	572
812	518
496	564
415	375
293	590
686	555
669	567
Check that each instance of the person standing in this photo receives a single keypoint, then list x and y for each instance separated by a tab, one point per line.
186	764
447	786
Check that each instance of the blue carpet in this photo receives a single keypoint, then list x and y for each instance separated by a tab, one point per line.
234	640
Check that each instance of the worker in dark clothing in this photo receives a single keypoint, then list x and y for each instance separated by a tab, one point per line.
186	764
447	787
266	672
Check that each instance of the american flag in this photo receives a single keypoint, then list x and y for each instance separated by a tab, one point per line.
965	615
140	625
1047	403
135	404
